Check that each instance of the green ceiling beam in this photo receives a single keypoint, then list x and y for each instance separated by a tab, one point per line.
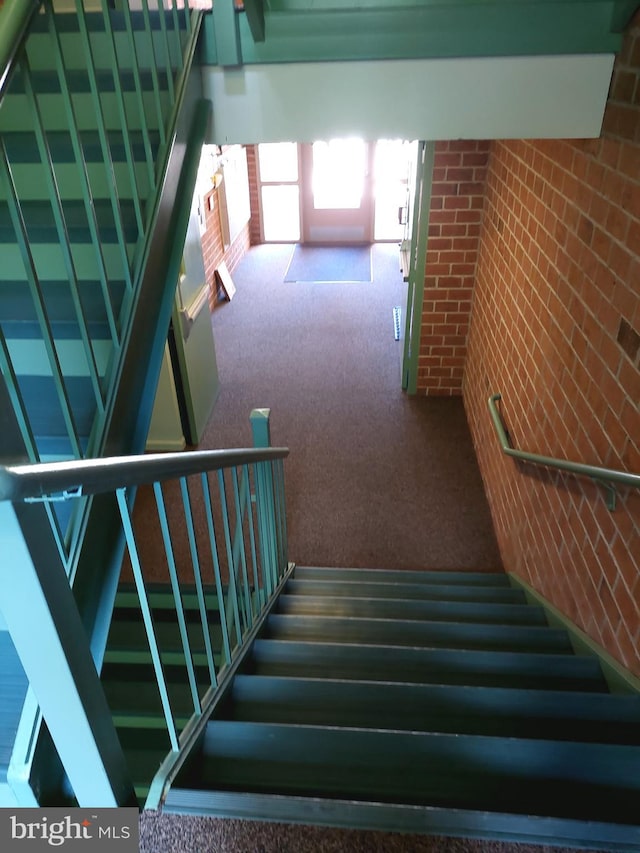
254	10
623	11
323	30
221	38
359	5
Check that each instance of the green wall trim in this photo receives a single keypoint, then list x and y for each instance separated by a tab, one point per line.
325	32
618	677
623	11
415	290
223	24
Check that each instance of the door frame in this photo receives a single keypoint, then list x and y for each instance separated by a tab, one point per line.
417	264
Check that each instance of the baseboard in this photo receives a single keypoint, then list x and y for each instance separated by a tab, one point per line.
618	677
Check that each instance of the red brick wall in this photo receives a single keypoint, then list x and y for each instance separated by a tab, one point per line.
454	226
252	167
556	330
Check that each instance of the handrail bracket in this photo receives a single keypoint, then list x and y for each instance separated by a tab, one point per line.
610	489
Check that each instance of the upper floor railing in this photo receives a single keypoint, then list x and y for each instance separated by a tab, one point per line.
609	478
91	99
91	96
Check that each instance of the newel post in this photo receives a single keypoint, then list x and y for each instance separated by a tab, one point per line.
46	629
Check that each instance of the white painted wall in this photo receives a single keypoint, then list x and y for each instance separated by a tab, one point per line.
478	98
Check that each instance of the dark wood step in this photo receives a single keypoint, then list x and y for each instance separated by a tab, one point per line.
552	715
376	608
398	632
447	771
425	666
402	576
405	590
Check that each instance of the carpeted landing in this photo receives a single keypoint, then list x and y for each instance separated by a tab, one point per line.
375	478
178	834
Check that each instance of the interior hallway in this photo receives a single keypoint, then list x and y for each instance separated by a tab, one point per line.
375	478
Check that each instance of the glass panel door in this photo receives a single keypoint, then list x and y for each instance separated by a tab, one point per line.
337	199
392	167
279	191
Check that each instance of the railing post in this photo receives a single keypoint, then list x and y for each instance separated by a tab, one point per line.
41	614
265	509
260	427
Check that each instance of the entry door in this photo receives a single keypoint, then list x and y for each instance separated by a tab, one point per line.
415	245
337	194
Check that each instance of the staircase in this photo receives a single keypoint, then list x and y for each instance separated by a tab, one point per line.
101	123
83	126
438	702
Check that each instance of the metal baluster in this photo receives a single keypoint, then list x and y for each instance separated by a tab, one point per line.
216	566
38	300
177	598
261	431
6	368
239	539
163	29
112	184
233	592
187	16
275	521
271	522
263	529
258	592
63	235
135	70
198	580
176	29
81	163
153	66
147	618
281	507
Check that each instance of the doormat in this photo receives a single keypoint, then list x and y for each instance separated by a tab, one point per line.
329	263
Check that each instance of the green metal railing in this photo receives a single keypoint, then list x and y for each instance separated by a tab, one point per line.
609	478
91	99
207	524
89	104
15	17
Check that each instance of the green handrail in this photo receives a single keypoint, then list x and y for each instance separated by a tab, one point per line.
60	480
607	477
15	18
244	563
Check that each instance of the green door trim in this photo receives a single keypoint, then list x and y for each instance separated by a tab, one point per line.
417	263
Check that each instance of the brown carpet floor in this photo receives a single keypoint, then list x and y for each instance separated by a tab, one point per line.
178	834
375	478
